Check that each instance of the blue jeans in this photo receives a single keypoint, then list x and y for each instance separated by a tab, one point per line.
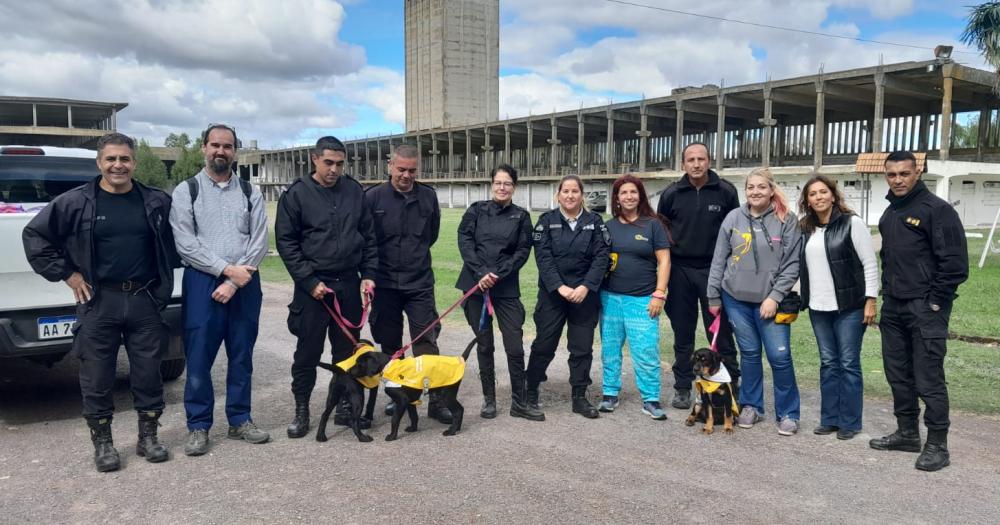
752	332
841	389
625	316
207	324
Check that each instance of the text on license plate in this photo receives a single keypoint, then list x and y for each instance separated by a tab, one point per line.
56	327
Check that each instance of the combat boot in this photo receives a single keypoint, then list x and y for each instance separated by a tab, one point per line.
106	458
935	454
488	381
581	405
532	396
518	402
906	438
300	423
149	446
435	410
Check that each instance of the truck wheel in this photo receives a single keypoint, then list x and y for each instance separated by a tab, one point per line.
172	369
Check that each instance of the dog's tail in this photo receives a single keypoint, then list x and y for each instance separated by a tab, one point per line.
472	344
327	366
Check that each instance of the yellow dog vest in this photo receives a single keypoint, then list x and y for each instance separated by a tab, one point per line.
708	386
426	371
347	364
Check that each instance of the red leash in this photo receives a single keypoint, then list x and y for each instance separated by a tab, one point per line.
399	353
714	328
342	321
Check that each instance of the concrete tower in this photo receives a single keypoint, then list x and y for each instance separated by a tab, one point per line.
452	62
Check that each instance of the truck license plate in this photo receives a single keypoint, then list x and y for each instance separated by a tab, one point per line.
56	327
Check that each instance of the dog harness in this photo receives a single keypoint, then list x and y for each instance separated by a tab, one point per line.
426	371
709	385
346	364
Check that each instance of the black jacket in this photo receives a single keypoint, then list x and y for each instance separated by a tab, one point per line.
406	226
495	240
845	264
695	216
571	257
325	233
60	239
924	252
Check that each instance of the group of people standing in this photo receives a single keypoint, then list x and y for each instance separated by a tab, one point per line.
699	251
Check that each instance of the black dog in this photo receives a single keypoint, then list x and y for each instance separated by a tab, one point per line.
405	396
347	385
715	391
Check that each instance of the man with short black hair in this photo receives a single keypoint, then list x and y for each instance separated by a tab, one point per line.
695	206
407	220
325	236
220	226
924	260
110	241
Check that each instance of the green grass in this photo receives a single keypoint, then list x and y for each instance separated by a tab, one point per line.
973	370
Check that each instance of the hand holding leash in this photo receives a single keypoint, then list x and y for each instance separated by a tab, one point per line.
319	291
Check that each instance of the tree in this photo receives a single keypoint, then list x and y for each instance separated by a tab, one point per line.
174	140
149	169
189	163
983	33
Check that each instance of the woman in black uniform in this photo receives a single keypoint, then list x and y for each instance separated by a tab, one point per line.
571	251
494	239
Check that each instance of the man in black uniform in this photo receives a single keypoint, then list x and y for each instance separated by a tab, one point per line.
407	220
695	206
111	241
325	236
924	259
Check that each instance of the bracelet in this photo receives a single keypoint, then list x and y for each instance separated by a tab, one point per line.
659	295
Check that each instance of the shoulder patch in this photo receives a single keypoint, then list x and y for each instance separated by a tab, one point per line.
540	227
589	227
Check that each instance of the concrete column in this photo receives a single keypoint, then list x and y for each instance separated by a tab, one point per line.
34	115
609	153
554	147
506	143
451	155
768	123
819	137
69	115
945	151
355	161
468	153
529	154
434	159
580	138
378	159
527	204
487	150
877	129
643	134
679	137
114	119
720	134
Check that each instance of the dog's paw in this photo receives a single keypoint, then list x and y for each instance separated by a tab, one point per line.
391	437
708	430
689	421
728	430
411	428
365	439
321	438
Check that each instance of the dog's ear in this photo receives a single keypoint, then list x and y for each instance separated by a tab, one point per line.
362	366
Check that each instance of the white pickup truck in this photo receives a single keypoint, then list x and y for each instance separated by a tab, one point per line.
37	316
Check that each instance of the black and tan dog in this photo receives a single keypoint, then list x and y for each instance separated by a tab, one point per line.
406	379
351	377
715	391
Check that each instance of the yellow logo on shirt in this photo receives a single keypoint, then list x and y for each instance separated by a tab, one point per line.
639	237
913	221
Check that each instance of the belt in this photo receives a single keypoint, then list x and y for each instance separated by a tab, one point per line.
124	286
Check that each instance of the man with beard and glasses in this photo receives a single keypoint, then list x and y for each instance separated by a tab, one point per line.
220	227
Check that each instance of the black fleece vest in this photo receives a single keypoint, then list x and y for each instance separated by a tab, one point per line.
845	265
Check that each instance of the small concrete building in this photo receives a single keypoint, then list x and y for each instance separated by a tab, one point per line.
31	121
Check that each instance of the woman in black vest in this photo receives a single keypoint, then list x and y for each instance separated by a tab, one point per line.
494	239
839	279
571	251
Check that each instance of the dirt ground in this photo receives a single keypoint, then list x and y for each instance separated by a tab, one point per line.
621	468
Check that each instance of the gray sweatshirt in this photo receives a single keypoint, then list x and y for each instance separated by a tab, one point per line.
755	257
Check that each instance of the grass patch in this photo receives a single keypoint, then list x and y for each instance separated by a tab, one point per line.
973	371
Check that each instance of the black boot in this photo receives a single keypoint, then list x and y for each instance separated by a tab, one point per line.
532	398
106	457
342	416
519	402
149	446
581	405
300	423
435	410
906	438
935	454
489	410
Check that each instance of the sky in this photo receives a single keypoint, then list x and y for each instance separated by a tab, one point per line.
285	73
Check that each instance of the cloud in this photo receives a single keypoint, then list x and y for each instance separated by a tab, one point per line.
534	94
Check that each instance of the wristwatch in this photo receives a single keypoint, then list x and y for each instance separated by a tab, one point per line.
935	307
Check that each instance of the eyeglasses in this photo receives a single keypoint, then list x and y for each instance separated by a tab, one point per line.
503	184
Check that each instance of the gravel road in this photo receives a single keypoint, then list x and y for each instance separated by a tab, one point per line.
621	468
